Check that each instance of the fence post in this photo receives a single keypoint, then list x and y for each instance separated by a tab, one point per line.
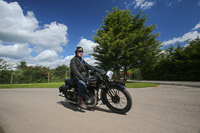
11	79
66	74
48	77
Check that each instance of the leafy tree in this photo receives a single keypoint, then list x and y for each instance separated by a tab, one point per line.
22	65
125	42
3	65
180	63
5	73
60	72
32	74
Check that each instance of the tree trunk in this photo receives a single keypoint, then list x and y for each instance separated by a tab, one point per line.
125	74
118	74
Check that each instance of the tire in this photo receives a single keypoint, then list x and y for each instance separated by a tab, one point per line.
114	103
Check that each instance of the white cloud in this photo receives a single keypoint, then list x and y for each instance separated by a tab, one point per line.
130	4
191	35
16	51
142	4
15	27
52	62
47	55
147	5
138	3
53	36
197	26
20	34
187	36
13	19
68	59
91	61
87	46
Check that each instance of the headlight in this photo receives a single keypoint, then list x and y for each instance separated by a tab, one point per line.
109	74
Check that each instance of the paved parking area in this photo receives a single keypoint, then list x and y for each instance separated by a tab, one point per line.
162	109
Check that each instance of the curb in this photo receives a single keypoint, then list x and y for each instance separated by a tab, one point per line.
169	83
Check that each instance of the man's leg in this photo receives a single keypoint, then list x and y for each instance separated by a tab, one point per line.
81	89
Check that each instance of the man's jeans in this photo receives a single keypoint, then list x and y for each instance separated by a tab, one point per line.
81	88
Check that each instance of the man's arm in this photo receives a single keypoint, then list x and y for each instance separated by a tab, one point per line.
91	67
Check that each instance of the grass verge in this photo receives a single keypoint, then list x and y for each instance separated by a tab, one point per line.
140	85
33	85
56	85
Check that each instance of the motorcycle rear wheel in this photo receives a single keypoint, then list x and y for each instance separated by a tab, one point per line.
120	101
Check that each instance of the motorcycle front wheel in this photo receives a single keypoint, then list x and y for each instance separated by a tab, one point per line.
117	99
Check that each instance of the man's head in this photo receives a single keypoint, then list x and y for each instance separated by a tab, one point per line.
79	51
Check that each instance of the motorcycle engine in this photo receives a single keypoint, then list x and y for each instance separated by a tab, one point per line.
92	82
90	99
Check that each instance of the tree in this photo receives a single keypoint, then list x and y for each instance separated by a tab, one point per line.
180	63
125	42
22	65
3	65
5	73
60	71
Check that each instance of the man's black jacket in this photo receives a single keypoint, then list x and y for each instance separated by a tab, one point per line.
79	69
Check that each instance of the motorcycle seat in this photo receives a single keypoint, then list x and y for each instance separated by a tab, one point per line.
70	82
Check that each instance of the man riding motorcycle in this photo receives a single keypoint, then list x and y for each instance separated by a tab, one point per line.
80	73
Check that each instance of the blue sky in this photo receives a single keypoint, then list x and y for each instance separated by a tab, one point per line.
46	32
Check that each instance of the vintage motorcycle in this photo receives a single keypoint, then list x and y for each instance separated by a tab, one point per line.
100	87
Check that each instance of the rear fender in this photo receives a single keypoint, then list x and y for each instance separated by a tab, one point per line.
64	88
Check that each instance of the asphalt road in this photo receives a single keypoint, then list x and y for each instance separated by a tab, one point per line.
163	109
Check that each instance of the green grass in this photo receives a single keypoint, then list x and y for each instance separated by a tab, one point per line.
140	85
56	85
33	85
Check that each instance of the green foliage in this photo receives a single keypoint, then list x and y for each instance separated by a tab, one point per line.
3	65
22	65
60	73
33	85
181	63
125	42
140	85
32	74
5	73
135	74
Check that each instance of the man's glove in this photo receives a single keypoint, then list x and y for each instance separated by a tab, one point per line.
103	72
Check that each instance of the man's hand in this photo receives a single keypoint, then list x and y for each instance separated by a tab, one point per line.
103	72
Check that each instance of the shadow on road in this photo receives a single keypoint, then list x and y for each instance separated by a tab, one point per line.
70	106
1	130
77	109
99	109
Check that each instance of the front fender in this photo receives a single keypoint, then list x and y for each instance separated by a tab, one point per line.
117	84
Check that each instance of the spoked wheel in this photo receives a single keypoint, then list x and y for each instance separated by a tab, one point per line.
118	100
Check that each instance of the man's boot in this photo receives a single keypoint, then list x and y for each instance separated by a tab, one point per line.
82	104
